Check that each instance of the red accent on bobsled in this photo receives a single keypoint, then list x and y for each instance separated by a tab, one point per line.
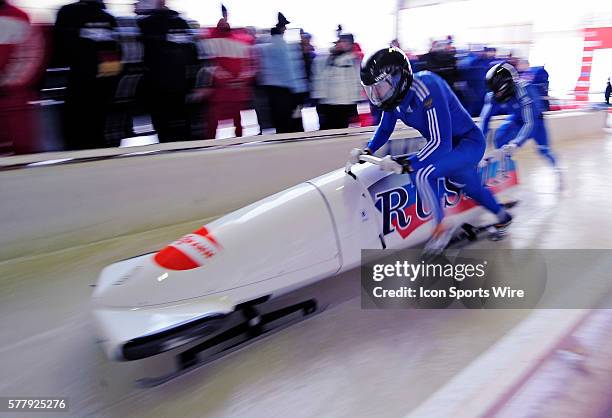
495	186
415	222
173	259
206	234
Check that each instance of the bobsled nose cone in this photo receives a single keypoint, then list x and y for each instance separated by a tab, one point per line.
124	284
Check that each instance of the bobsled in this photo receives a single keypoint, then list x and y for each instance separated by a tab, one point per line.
195	287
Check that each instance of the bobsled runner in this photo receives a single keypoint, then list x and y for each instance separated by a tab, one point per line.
215	285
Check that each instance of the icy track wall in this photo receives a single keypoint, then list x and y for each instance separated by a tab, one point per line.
50	204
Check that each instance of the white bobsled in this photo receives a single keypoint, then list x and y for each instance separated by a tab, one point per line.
155	302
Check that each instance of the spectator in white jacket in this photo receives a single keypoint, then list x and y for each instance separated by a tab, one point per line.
336	85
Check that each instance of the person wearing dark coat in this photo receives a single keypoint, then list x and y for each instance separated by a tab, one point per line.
85	41
441	60
170	55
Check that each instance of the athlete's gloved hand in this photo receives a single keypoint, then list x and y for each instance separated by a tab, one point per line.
356	153
389	164
510	148
405	163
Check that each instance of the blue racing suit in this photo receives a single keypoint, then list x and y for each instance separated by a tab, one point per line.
525	119
454	146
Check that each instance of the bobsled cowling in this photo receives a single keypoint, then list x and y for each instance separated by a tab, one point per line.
263	250
286	241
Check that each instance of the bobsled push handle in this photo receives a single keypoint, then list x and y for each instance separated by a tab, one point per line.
364	158
387	163
370	159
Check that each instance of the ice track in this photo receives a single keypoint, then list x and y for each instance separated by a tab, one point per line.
345	362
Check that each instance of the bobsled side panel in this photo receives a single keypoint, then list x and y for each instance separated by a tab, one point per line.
287	238
395	205
355	216
115	327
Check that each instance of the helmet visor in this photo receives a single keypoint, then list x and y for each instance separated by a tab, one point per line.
383	90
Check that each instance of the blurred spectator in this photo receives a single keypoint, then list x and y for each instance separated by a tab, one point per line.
522	66
232	73
303	59
337	85
85	42
301	85
170	59
491	53
472	70
514	61
356	48
21	64
277	76
441	60
608	91
449	45
260	97
308	55
126	109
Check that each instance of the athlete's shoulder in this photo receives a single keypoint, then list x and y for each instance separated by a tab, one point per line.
428	78
523	92
532	89
426	82
522	86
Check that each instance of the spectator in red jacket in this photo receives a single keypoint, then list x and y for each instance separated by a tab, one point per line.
21	65
232	74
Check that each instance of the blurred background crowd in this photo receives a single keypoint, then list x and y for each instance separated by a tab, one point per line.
92	79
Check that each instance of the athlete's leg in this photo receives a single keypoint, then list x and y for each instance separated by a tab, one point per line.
506	132
466	155
459	165
425	180
473	187
541	137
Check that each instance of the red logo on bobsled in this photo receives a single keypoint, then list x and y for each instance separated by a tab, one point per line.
189	252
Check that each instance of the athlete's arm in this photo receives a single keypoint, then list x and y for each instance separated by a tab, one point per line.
486	114
384	131
438	121
527	112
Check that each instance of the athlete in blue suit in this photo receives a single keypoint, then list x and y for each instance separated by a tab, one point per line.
455	145
521	100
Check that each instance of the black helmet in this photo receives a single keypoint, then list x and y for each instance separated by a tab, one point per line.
501	79
386	77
